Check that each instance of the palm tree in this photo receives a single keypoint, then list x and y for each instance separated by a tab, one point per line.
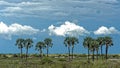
74	41
39	46
108	42
28	44
86	44
101	43
20	44
97	48
48	43
67	43
94	47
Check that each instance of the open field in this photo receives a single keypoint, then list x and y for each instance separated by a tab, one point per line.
58	61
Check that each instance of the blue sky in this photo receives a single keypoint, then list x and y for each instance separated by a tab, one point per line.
39	19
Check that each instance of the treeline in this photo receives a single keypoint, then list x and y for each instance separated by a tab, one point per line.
92	44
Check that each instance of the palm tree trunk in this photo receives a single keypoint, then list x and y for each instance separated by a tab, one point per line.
47	51
72	51
97	54
40	52
106	51
21	53
101	52
26	54
69	52
93	55
88	54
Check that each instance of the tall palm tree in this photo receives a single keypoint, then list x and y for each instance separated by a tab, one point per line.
39	46
67	43
101	43
86	44
28	43
74	41
20	44
108	42
48	43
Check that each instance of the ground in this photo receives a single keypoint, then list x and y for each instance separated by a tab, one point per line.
58	61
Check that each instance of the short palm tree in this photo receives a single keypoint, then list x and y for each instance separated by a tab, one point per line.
20	44
48	43
108	42
86	44
28	43
39	46
74	41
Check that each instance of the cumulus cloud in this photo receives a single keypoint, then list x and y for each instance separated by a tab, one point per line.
68	28
104	31
16	29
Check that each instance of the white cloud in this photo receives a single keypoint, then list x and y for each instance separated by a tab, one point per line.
12	9
16	29
44	30
59	9
104	31
107	1
67	28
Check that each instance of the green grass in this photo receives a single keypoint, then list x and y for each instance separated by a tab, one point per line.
52	62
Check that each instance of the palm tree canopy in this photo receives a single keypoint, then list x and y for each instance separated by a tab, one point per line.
94	44
28	43
40	45
74	40
48	42
108	41
71	41
101	40
87	41
67	41
20	43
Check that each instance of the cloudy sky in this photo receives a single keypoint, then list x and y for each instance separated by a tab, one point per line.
39	19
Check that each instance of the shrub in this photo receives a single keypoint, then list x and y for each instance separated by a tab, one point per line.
46	60
15	55
34	55
3	56
61	59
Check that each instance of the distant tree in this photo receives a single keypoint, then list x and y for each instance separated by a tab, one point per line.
28	43
39	46
108	42
20	44
87	43
101	43
48	43
74	41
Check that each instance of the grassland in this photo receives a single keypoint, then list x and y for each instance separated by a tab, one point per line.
57	61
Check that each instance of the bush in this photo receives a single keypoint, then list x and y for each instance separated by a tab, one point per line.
34	55
83	55
15	55
3	56
61	59
46	60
